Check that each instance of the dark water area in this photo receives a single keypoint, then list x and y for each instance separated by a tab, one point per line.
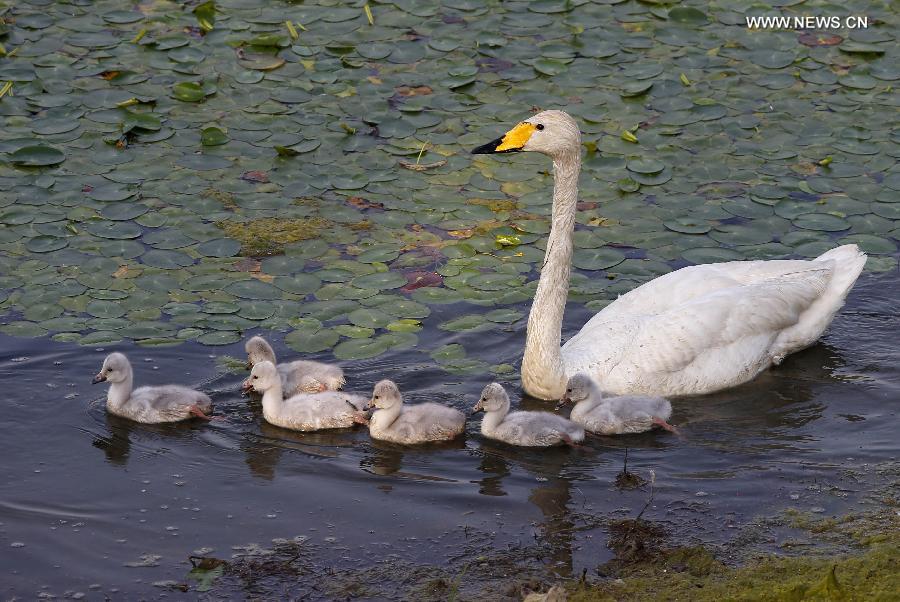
93	506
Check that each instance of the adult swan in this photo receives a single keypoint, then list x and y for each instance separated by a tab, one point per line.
696	330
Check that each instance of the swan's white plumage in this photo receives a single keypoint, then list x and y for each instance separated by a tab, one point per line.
150	405
299	376
525	429
623	414
397	422
709	327
693	331
304	411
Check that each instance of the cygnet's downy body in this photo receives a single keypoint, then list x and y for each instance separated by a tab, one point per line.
527	429
150	405
614	415
301	376
396	422
304	411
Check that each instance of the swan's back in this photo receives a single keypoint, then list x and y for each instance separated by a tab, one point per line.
709	327
315	411
300	376
167	403
424	422
624	414
535	429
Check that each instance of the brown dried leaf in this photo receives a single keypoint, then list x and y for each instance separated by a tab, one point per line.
255	176
811	38
421	166
414	91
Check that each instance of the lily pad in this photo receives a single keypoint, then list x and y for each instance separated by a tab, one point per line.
597	259
37	156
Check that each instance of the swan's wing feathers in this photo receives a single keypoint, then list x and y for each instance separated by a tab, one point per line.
431	420
669	341
306	375
535	428
170	401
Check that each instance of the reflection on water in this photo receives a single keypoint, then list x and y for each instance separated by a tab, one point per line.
167	490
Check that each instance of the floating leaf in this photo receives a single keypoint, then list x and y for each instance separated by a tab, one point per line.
188	92
37	156
206	15
212	136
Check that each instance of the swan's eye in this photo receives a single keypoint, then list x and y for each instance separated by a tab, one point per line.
568	390
540	126
255	377
484	399
376	397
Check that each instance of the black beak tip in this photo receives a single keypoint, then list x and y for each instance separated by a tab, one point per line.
487	149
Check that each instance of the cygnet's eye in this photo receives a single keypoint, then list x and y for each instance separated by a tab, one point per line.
484	399
568	390
255	376
109	370
540	126
376	397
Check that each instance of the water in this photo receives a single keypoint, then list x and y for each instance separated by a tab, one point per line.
86	496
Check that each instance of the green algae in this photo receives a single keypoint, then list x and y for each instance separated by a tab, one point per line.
867	567
693	574
268	236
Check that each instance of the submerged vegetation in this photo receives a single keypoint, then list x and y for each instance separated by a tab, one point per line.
268	236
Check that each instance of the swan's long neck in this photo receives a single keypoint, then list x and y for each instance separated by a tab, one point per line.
492	420
384	418
120	392
543	373
272	399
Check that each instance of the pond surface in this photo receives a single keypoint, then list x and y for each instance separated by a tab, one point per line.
90	496
175	177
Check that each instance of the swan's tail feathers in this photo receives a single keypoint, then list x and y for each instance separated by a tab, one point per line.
849	262
846	264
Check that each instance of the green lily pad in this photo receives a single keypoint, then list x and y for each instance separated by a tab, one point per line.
220	247
105	309
688	225
188	92
219	337
354	332
380	281
596	259
646	166
46	244
369	318
821	221
212	136
703	255
254	289
37	156
356	349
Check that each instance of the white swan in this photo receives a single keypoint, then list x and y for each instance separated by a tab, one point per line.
304	411
301	376
696	330
527	429
420	423
614	415
150	405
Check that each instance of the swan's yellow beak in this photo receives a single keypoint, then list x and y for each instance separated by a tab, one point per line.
513	141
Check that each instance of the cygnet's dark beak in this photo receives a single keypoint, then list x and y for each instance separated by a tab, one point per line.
563	402
99	379
246	387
